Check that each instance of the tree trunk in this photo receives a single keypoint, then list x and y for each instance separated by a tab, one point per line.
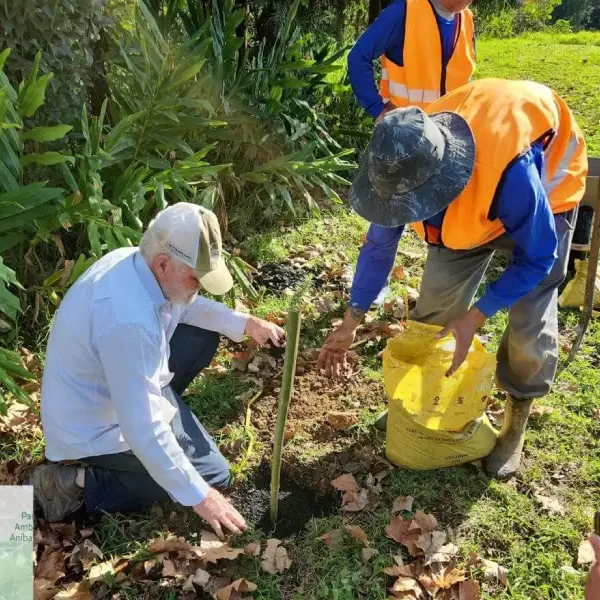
374	10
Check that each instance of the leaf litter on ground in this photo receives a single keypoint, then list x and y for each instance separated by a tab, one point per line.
275	558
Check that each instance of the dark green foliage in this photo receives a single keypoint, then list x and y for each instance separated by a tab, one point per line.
67	33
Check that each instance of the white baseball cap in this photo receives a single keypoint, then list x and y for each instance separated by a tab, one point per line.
193	236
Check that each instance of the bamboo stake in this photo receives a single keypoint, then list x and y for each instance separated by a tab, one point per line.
287	386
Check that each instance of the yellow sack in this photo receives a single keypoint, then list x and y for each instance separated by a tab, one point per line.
414	368
574	292
413	446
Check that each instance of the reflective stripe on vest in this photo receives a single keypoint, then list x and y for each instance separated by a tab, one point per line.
506	118
423	78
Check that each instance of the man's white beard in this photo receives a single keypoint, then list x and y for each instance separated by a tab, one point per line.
177	295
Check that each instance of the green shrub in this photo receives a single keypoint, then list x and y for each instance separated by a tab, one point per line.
22	205
500	26
561	27
272	131
67	33
534	15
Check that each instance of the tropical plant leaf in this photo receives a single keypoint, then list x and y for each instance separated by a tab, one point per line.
47	134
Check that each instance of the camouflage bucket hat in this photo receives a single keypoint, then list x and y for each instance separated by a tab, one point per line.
414	167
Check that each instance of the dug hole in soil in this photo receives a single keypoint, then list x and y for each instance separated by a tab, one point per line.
315	451
297	504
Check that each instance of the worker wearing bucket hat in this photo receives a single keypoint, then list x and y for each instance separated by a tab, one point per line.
493	166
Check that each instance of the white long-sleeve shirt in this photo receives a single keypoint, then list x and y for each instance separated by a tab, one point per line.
106	362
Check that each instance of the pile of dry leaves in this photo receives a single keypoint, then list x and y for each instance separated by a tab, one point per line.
435	571
70	566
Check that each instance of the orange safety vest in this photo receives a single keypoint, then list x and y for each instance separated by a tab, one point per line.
424	78
506	118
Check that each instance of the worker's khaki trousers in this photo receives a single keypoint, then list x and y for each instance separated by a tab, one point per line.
528	352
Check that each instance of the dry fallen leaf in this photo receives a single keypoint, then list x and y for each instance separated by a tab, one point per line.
324	305
341	420
43	589
171	544
431	542
85	553
79	591
86	533
215	371
585	554
399	571
252	549
345	482
469	590
275	558
444	555
392	329
353	501
407	584
398	273
51	565
333	539
169	569
402	503
241	359
494	573
358	534
368	554
188	586
550	505
149	565
98	572
213	549
446	576
425	521
239	585
413	295
200	578
400	531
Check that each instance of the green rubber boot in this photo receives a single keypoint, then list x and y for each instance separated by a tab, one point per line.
503	463
381	422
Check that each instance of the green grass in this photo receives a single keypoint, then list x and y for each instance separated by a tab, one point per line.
568	63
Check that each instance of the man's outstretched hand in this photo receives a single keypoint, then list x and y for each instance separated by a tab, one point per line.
332	359
463	329
218	512
262	331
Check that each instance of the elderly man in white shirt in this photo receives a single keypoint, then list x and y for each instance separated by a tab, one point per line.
128	338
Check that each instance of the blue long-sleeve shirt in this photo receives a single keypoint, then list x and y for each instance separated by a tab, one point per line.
522	206
386	36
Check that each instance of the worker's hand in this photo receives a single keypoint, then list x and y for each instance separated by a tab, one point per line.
592	588
263	331
386	109
332	359
217	511
463	329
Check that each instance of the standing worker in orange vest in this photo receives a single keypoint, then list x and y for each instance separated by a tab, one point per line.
427	48
493	166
